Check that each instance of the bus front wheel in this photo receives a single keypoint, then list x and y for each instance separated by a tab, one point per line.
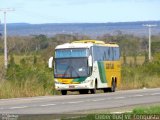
83	91
64	92
93	91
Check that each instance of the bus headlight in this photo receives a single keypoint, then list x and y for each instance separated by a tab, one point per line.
56	82
86	81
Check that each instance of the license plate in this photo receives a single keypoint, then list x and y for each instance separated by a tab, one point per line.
71	86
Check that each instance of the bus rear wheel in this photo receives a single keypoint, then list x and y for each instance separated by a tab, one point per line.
105	90
64	92
113	87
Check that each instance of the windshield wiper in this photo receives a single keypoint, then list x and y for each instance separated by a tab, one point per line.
72	69
66	71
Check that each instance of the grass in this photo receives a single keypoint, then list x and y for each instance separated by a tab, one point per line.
130	60
28	88
2	69
138	113
1	61
137	77
147	110
25	78
141	75
13	89
17	59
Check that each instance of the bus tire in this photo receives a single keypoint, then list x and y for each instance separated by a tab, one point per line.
64	92
83	91
105	90
113	87
93	91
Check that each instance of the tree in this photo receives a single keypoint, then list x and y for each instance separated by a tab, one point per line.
40	42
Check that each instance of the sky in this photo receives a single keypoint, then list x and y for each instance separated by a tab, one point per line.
80	11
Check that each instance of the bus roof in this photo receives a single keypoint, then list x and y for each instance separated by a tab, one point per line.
89	41
85	44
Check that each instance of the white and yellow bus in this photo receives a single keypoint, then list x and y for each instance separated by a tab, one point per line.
86	65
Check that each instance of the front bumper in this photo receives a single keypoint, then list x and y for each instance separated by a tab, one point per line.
73	86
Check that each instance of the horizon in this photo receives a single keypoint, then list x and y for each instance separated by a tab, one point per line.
85	22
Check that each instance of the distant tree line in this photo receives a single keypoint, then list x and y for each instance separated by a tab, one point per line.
130	45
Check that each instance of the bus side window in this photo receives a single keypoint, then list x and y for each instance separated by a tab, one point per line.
106	52
116	53
117	49
113	53
109	53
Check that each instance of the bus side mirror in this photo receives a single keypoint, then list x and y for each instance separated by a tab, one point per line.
90	61
50	62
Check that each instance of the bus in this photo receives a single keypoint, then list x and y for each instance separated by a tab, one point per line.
86	66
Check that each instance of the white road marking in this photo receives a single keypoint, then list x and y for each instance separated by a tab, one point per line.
27	98
155	94
21	107
63	103
47	105
138	95
98	100
76	102
109	98
119	97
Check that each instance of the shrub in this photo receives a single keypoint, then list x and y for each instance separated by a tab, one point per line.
27	79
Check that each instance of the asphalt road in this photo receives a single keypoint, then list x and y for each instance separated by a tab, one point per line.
74	103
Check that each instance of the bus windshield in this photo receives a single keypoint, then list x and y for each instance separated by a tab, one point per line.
71	68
